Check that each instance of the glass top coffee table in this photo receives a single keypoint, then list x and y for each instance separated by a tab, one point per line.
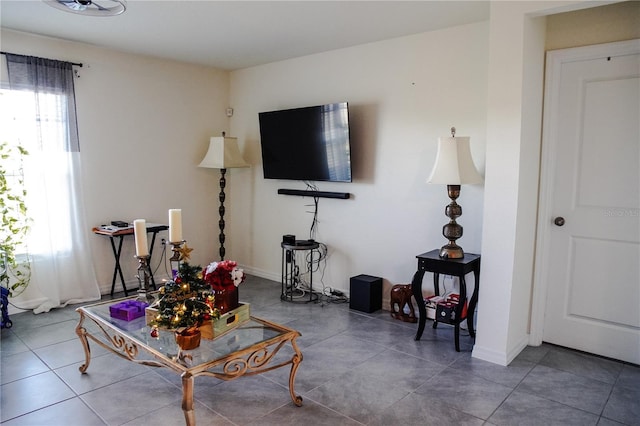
251	348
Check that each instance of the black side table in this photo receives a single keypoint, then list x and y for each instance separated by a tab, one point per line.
291	271
432	262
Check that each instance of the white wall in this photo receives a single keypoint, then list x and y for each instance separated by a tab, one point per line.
511	187
486	79
516	74
403	94
144	125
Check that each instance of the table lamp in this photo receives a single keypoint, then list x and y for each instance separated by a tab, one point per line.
454	167
223	154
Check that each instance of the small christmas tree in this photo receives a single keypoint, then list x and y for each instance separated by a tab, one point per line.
187	301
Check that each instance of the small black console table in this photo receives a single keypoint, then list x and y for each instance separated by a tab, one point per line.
291	291
113	232
432	262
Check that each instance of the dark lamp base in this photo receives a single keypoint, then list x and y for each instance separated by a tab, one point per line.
452	231
451	251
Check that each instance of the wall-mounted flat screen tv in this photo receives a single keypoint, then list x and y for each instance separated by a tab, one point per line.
308	144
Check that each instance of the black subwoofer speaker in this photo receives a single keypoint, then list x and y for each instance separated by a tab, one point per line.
365	293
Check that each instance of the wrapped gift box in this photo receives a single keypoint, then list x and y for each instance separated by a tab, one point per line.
128	310
446	309
226	322
431	304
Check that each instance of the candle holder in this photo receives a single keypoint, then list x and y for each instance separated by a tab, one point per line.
144	273
175	257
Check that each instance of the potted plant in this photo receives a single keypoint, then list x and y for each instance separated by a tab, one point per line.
15	268
185	303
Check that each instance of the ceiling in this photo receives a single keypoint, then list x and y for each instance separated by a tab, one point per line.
238	34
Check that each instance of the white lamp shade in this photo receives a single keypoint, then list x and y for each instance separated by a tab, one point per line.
454	165
223	153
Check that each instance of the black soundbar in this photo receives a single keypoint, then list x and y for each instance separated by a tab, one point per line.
321	194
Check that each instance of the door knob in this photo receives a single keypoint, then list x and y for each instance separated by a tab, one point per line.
559	221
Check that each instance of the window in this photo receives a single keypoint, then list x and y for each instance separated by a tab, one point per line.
37	111
45	168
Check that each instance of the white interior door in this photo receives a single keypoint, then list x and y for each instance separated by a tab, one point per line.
589	236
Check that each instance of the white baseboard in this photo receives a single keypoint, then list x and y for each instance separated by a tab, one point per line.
490	355
261	273
498	357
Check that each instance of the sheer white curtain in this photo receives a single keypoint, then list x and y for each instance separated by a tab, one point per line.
45	123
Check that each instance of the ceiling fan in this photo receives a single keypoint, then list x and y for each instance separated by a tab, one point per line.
90	7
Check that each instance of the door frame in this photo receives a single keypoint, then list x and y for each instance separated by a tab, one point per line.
555	60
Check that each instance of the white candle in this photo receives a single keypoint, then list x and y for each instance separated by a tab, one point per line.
140	234
175	225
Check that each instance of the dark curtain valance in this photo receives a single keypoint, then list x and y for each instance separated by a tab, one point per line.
46	76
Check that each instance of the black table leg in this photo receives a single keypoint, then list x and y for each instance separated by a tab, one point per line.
117	270
459	311
436	291
473	302
416	288
153	241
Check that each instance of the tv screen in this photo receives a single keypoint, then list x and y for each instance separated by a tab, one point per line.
310	143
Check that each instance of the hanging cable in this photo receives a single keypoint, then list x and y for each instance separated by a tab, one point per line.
314	221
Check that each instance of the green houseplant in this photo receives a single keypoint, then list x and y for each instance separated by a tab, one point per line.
15	268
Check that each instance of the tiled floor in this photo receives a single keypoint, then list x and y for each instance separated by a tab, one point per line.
358	369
